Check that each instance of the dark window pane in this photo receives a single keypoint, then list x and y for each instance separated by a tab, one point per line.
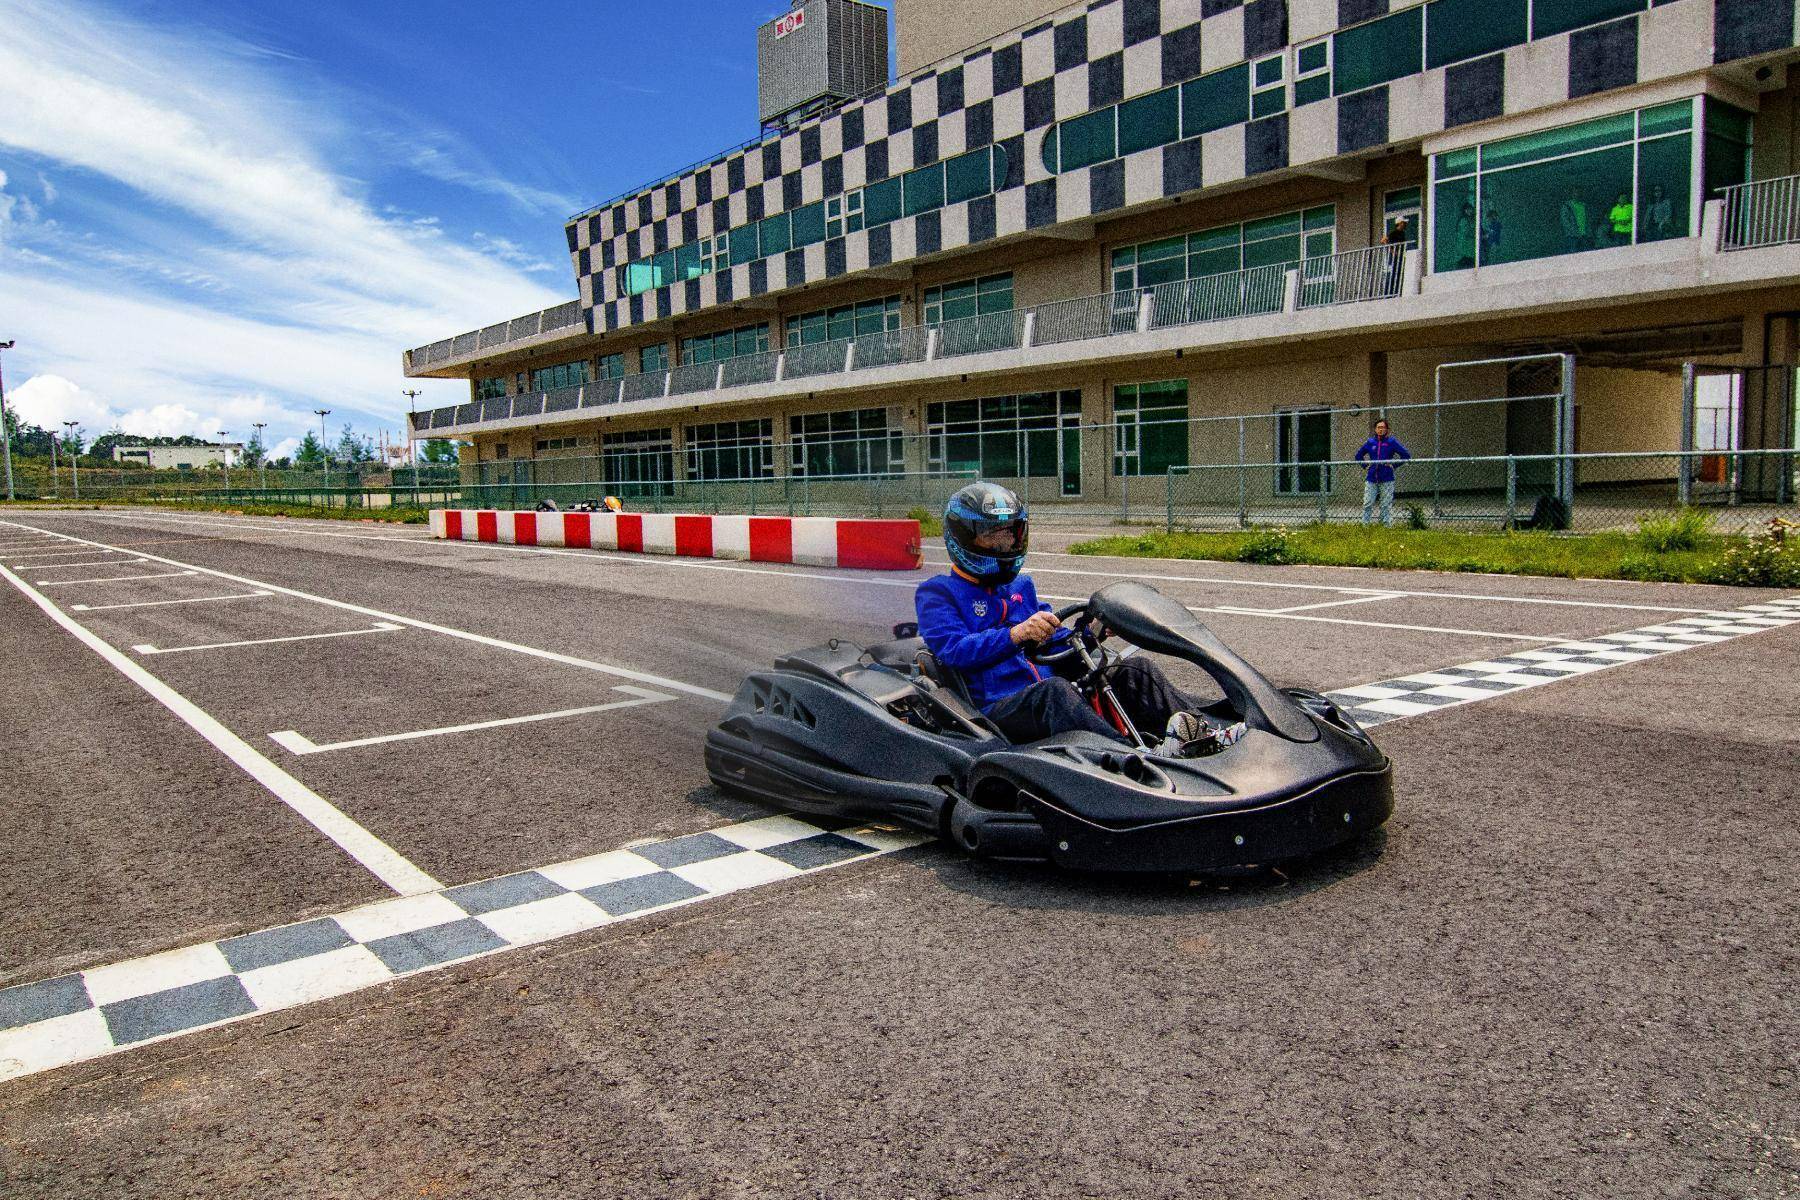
1153	120
773	234
1311	58
1460	29
1453	217
743	244
1559	16
1272	250
1531	147
1318	87
1560	207
1215	101
1265	104
1379	51
1050	150
967	176
1663	188
809	224
1268	71
1087	140
924	189
881	202
1456	162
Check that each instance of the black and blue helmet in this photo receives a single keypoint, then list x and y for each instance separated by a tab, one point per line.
987	533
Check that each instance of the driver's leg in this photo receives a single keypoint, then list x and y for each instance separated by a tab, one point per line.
1146	694
1047	707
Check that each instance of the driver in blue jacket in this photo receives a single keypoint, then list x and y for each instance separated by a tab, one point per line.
977	618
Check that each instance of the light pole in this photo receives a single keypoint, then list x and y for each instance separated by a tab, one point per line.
324	454
74	450
6	431
412	442
225	460
262	453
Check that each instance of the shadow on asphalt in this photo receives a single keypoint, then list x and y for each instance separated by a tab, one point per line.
1017	885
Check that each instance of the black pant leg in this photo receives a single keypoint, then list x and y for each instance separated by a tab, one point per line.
1046	707
1146	694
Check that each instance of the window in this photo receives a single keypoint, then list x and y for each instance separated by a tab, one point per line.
1215	101
834	216
844	321
743	246
558	443
1613	181
1726	147
1372	53
1550	17
970	298
609	366
1312	72
858	442
727	343
809	224
639	463
563	375
501	450
731	450
492	388
1087	140
1400	216
715	254
773	236
1282	239
1152	431
1268	94
1461	29
654	357
969	175
1303	450
1009	437
924	189
881	202
1153	120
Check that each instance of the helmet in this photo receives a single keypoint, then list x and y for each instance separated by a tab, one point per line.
613	505
986	532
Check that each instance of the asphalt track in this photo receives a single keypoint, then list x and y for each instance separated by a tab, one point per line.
1566	968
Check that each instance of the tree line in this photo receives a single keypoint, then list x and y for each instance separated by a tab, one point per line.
29	440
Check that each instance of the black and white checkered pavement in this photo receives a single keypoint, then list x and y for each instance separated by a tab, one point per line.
95	1012
71	1018
1446	687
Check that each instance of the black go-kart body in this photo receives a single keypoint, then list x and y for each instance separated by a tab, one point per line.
884	733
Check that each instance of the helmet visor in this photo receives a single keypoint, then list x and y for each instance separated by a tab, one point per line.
1001	537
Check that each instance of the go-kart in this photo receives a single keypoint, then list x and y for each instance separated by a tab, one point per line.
886	733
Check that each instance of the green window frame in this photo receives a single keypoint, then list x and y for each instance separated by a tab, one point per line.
730	450
1312	72
725	343
1150	427
858	442
969	298
1377	51
561	375
1215	101
609	366
1268	86
1035	435
844	321
654	357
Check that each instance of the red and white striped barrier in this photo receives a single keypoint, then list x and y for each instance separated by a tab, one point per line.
807	541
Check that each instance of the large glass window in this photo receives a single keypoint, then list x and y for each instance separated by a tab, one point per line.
727	343
562	375
809	224
1153	120
1389	48
743	244
924	189
856	442
844	321
1312	72
639	463
1215	101
1283	238
730	450
1460	29
1009	437
1608	182
654	357
1559	16
1726	151
970	298
774	234
881	202
1152	433
490	389
969	175
609	366
1087	140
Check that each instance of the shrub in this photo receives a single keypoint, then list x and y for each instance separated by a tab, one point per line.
1767	558
1647	568
1415	517
1271	547
930	523
1687	529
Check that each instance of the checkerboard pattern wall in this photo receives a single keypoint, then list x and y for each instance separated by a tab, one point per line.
1010	91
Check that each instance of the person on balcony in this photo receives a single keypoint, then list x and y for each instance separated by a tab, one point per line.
1381	451
1619	220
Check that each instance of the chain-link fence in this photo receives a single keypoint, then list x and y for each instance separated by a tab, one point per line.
335	485
1611	491
881	495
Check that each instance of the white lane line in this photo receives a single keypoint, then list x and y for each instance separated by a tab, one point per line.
158	603
378	627
113	578
382	860
1294	608
299	743
59	566
673	685
1287	616
19	559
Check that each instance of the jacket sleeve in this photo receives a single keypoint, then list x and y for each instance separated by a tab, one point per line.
942	626
1363	451
1400	450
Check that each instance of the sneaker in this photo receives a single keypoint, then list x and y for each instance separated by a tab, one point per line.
1183	730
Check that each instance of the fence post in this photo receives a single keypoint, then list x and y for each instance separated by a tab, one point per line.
850	355
1243	481
806	492
1684	466
1412	272
931	344
1028	334
1290	291
1512	491
781	366
668	382
1565	437
1146	313
878	509
1169	500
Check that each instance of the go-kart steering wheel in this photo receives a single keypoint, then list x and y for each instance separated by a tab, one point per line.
1048	654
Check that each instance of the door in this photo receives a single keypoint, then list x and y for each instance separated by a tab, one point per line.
1303	452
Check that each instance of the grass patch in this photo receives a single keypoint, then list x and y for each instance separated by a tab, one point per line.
397	515
1660	553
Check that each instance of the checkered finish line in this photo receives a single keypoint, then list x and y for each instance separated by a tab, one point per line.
1447	687
105	1009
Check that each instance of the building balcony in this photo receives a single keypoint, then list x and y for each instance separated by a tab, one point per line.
1377	291
533	331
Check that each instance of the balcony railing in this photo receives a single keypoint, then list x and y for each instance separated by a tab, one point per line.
1375	273
1764	213
564	316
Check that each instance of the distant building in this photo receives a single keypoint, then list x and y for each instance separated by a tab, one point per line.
179	457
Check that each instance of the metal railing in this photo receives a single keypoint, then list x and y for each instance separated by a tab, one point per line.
562	316
1763	213
1371	273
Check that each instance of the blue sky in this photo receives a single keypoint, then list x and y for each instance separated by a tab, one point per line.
213	214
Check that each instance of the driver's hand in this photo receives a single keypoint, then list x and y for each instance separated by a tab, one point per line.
1038	627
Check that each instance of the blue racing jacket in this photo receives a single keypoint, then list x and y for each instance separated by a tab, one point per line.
968	627
1380	452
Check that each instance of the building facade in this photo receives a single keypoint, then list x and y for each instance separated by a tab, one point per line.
211	454
1081	250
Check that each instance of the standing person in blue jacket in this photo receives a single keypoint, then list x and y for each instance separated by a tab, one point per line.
1380	452
976	618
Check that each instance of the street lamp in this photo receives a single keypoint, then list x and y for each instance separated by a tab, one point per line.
324	454
412	442
262	453
225	460
74	450
6	431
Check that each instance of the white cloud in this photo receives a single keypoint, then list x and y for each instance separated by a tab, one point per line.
435	161
285	448
246	277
